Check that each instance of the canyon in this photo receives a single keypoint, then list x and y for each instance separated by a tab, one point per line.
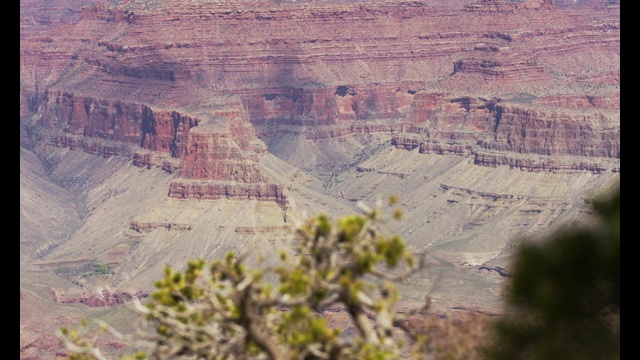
153	132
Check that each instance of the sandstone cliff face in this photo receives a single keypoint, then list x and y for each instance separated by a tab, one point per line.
203	190
504	69
156	130
572	102
223	149
469	126
593	3
216	166
216	156
329	106
293	73
288	44
545	164
508	5
328	113
523	130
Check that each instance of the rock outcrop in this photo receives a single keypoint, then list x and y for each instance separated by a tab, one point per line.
559	138
163	131
525	130
508	5
216	166
103	298
213	158
545	163
573	102
501	67
292	44
329	106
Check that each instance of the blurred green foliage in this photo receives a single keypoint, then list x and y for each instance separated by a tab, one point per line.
565	294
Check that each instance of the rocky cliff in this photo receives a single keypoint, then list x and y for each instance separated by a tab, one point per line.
292	76
568	136
508	5
116	120
213	158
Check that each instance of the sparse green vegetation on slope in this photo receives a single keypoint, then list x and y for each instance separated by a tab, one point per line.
564	293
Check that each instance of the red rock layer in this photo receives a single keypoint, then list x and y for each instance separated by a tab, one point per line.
525	130
107	14
105	298
329	106
213	158
325	70
164	131
598	3
215	155
545	164
163	56
508	5
446	116
440	124
328	113
501	67
596	101
199	189
95	146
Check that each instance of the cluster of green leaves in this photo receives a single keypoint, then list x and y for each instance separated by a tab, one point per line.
102	268
224	310
565	294
337	258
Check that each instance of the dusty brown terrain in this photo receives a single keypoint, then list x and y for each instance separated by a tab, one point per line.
154	132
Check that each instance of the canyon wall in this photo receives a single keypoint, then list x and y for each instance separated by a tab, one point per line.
213	158
108	119
496	133
382	74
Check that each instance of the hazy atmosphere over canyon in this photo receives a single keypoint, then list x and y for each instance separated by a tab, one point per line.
153	132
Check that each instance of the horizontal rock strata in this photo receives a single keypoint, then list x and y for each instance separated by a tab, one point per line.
213	158
104	298
497	133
